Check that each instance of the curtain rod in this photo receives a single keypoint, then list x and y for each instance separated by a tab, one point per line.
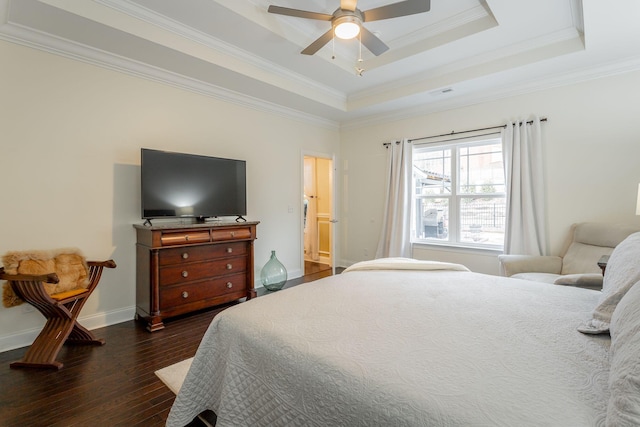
386	144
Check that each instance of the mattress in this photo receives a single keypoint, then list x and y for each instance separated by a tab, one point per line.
402	347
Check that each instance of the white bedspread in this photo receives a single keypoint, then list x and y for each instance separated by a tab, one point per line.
402	348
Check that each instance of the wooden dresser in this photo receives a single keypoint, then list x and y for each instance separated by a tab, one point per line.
186	267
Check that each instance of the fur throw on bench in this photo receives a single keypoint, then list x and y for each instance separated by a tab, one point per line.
69	264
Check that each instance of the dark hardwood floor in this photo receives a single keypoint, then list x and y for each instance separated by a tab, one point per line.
311	267
112	385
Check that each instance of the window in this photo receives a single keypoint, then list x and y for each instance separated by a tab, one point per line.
459	193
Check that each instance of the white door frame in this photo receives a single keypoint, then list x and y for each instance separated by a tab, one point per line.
333	221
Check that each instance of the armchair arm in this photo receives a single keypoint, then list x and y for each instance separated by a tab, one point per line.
27	287
108	264
95	271
48	278
514	264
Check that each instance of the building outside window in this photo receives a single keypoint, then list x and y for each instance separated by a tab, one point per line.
459	194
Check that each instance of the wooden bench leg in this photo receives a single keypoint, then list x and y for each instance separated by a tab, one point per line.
44	350
82	336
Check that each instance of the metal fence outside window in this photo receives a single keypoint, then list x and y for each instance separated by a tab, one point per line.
487	215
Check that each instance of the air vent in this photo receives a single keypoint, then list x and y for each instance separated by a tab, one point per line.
441	92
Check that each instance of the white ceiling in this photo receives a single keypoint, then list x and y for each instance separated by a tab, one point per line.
458	53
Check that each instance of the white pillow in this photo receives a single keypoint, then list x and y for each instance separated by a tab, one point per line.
623	270
624	375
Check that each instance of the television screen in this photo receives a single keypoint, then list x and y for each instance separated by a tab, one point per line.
179	185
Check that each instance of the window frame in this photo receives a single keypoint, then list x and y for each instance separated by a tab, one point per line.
455	198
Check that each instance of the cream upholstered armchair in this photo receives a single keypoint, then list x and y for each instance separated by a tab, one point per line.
578	263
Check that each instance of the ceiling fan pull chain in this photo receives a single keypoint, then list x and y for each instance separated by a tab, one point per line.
359	69
333	46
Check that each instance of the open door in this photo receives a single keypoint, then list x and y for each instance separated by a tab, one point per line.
318	214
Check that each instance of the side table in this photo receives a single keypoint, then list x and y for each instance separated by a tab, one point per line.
602	263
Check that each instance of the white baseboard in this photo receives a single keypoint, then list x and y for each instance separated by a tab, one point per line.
94	321
293	274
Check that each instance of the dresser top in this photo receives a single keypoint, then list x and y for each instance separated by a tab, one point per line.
179	225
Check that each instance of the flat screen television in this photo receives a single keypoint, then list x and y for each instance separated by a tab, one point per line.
180	185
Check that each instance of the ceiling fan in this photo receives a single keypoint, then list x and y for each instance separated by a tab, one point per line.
347	20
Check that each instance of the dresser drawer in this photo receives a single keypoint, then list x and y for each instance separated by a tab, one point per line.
189	254
184	237
201	270
194	292
236	233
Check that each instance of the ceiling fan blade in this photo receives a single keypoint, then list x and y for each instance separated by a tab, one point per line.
395	10
348	5
319	43
373	43
299	13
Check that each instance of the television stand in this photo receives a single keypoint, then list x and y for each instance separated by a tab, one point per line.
181	268
240	219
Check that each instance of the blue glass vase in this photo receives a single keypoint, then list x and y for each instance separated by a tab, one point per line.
273	274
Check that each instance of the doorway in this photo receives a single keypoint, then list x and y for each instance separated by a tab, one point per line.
317	214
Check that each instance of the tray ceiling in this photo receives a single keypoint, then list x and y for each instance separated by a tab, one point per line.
458	53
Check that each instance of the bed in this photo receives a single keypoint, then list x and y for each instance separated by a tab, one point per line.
399	342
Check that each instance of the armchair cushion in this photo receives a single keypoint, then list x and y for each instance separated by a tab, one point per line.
68	264
583	258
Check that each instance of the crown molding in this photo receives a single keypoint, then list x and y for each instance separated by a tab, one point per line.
24	36
450	24
202	38
596	72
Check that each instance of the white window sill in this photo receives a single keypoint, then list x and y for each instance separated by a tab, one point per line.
457	247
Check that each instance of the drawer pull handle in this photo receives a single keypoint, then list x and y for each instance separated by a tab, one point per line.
229	285
229	250
185	273
185	294
186	237
229	266
185	255
233	234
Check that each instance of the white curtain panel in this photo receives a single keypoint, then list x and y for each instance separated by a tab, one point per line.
525	232
394	236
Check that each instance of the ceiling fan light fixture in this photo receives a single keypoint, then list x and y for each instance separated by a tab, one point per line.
347	22
346	27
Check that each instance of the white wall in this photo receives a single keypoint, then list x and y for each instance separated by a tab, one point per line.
71	139
592	157
72	132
